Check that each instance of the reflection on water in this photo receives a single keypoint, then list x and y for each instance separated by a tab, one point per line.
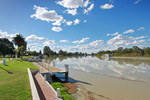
127	69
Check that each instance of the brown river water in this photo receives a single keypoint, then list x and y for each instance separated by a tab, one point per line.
113	79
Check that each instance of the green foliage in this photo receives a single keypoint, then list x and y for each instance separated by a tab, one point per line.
19	40
135	51
47	51
14	81
6	47
21	43
63	92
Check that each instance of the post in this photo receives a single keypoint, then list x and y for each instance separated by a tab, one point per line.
4	61
66	73
53	63
45	77
58	92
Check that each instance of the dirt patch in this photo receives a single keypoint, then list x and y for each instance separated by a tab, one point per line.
70	87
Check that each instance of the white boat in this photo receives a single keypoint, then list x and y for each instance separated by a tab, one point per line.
106	56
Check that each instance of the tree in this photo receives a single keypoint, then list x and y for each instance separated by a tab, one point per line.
6	47
21	49
19	41
120	50
40	53
47	51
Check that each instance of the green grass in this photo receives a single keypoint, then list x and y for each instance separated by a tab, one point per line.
3	58
63	92
14	81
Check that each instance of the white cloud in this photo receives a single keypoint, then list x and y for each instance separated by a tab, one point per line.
107	6
129	31
136	42
85	21
58	23
86	3
114	34
49	42
76	21
108	34
57	29
71	11
137	1
88	9
43	14
33	45
141	37
6	35
64	41
35	38
69	23
71	3
141	28
64	21
81	41
45	41
125	40
119	40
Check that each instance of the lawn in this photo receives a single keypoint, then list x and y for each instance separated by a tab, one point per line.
3	58
14	81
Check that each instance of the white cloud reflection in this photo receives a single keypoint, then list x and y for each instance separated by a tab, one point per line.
112	68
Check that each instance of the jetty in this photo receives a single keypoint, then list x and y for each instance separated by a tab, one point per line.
48	70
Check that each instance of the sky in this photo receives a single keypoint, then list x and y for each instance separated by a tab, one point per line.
77	25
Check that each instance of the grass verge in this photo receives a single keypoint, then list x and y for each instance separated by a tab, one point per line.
63	92
14	81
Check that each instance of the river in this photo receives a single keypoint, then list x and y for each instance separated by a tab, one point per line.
114	79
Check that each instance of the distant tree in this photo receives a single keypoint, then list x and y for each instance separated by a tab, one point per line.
120	50
47	51
40	53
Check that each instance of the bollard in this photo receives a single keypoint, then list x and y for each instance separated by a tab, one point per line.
66	73
4	61
58	92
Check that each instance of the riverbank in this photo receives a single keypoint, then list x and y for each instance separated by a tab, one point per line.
14	82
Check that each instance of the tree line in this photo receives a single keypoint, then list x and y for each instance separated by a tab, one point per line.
47	51
134	51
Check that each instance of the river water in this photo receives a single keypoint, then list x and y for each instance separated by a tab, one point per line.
114	79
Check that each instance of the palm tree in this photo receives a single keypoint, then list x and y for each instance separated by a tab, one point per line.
19	41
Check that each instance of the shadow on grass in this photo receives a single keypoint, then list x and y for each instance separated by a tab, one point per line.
6	70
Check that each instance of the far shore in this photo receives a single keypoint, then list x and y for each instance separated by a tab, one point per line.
144	58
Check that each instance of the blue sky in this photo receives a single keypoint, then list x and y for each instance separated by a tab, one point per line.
77	25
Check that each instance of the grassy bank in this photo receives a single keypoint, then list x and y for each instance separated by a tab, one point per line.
14	82
63	92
